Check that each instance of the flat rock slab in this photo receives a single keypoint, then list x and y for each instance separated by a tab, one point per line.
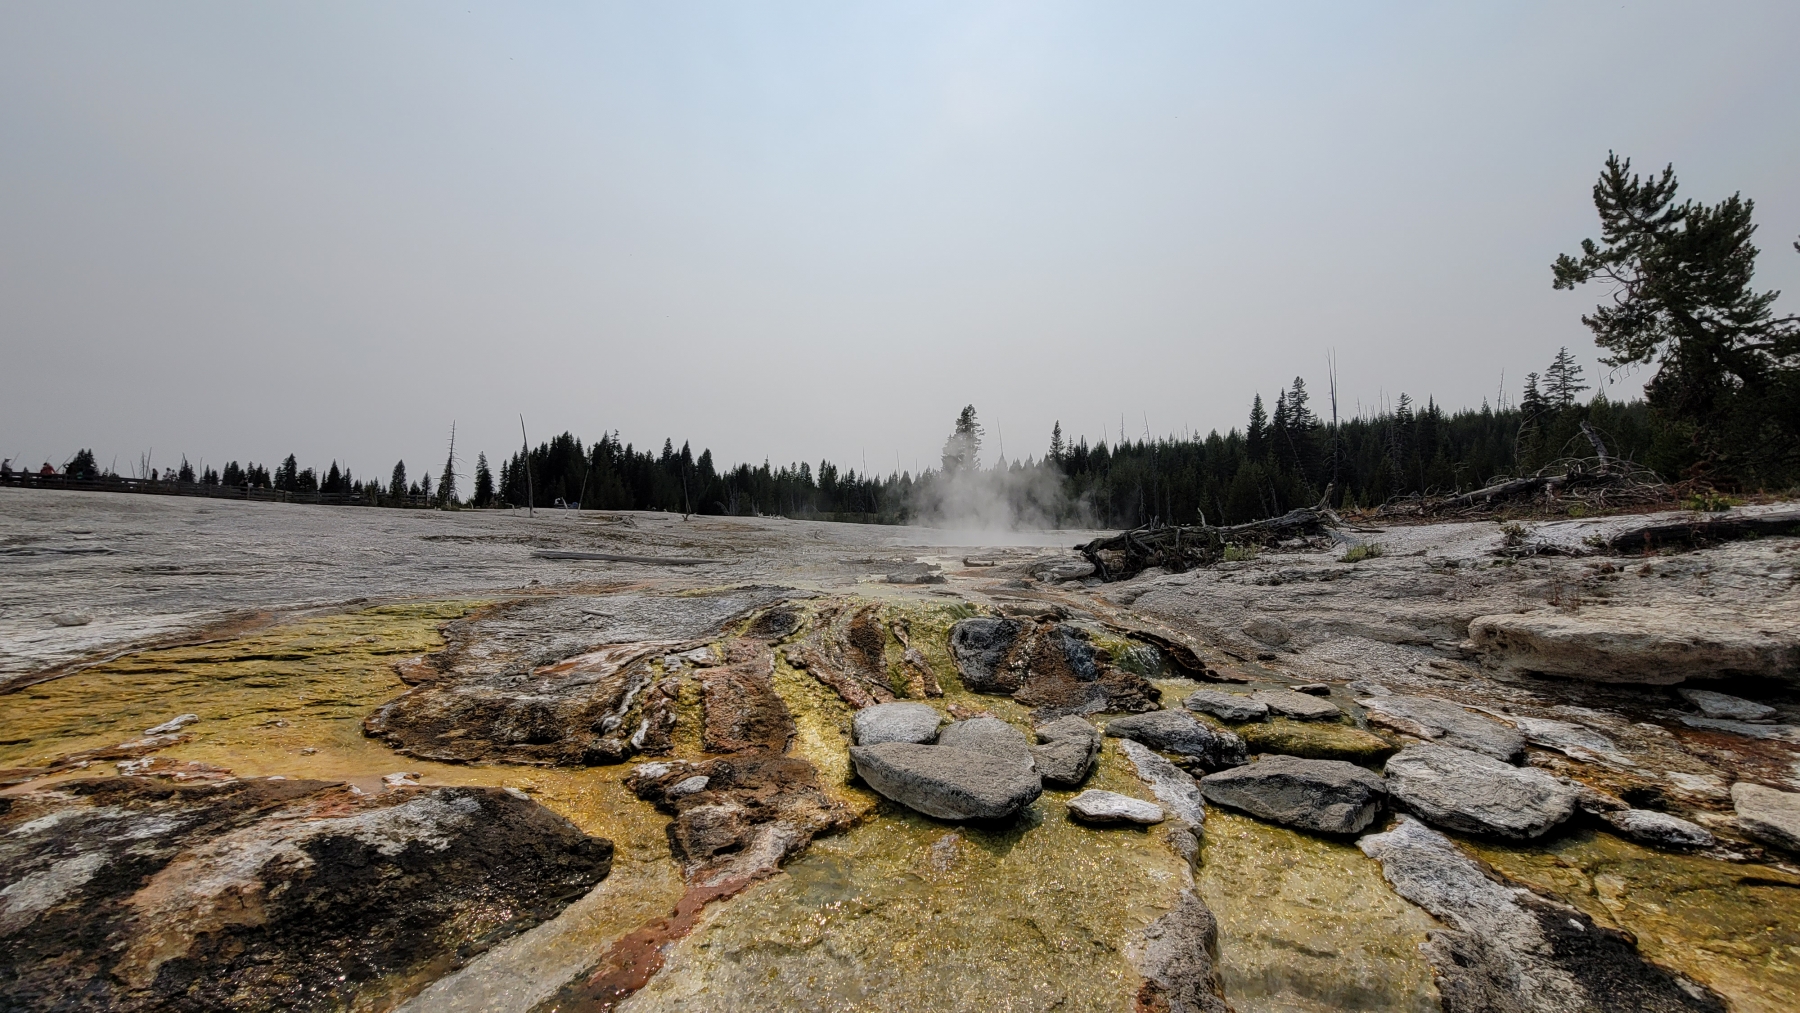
896	722
1300	706
1227	706
990	737
1069	746
1176	732
1656	646
144	893
1477	794
1427	717
1768	815
1094	806
1711	704
947	782
1327	796
1660	829
1315	740
1173	787
1507	949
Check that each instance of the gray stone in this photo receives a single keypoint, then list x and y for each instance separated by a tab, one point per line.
1768	815
946	782
1226	706
174	724
1301	706
1095	806
1652	827
991	737
1567	737
1427	717
1659	645
1477	794
1068	751
980	647
1748	729
1507	950
1176	732
1177	960
1592	800
1328	796
1313	688
1724	705
1273	632
895	722
1172	786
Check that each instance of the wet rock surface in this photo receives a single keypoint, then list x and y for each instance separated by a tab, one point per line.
1299	706
946	782
1176	732
1175	788
1660	646
1095	806
142	893
1067	751
1177	963
1661	829
1325	796
1315	740
1049	666
1476	794
564	680
989	737
1508	949
1227	706
1767	814
738	816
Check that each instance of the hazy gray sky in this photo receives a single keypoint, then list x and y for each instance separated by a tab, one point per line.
817	230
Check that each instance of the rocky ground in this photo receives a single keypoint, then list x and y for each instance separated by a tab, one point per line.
263	756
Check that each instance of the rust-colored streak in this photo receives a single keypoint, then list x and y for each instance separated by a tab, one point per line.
634	959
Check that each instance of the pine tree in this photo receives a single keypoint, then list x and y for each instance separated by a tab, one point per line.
962	451
287	477
397	487
1533	405
1563	380
484	482
1057	447
447	483
1256	435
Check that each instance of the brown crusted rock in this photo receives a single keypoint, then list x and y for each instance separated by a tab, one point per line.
742	709
1049	666
135	893
738	815
1178	961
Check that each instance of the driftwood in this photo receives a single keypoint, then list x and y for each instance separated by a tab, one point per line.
1182	547
610	557
1698	532
1598	483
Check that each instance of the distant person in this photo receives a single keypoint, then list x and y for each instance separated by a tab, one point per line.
47	469
6	468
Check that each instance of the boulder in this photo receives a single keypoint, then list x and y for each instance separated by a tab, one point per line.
1477	794
895	722
1176	732
1768	815
1315	740
1093	806
1049	666
947	782
1172	786
1328	796
1427	717
1226	706
1578	741
1660	829
983	649
1659	646
991	737
1506	948
1711	704
1176	960
1301	706
1069	748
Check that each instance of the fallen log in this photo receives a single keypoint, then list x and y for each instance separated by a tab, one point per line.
1181	547
1698	532
609	557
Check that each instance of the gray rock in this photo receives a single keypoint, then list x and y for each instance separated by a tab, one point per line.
1176	732
1051	570
1070	747
980	647
1768	815
1328	796
1660	645
1477	794
1301	706
1226	706
1273	632
1592	800
1724	705
1748	729
1172	786
1427	717
1507	950
895	722
946	782
1177	960
174	724
1563	736
1313	688
1095	806
1661	829
991	737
